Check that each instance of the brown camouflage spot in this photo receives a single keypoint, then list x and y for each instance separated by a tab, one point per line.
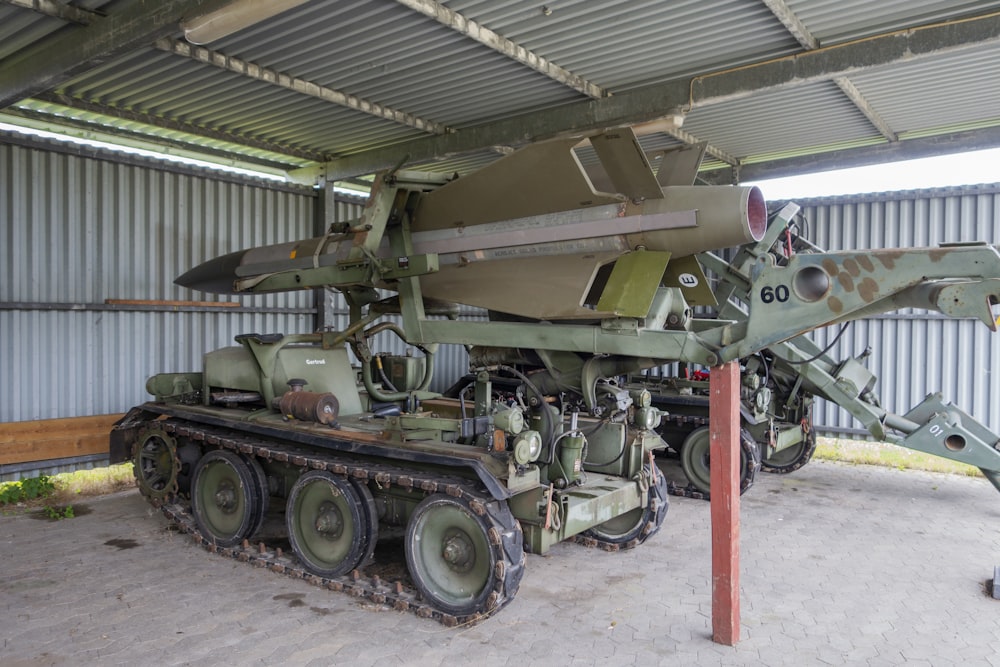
868	289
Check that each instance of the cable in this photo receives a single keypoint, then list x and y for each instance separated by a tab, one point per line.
546	416
825	350
767	371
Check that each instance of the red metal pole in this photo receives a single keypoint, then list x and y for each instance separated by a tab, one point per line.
724	427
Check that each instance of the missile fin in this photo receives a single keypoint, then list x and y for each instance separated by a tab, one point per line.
549	288
633	283
679	166
626	165
687	274
540	178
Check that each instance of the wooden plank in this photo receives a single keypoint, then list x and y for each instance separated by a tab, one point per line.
724	428
47	439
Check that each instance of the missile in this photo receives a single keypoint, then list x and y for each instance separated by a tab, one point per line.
527	235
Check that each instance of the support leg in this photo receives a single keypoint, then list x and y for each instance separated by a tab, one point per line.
724	426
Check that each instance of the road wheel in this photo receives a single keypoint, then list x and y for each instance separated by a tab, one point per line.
464	562
695	460
228	497
329	529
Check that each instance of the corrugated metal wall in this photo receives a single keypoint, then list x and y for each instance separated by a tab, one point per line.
76	231
915	353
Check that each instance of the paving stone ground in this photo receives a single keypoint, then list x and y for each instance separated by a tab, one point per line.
841	565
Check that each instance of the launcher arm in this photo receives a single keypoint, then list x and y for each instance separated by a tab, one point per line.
936	426
819	289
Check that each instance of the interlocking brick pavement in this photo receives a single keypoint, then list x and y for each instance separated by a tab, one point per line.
841	565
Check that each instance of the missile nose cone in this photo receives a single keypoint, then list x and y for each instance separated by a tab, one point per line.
216	275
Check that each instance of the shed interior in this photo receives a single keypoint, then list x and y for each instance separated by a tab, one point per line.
309	93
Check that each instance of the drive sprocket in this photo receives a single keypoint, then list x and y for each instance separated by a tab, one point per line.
156	465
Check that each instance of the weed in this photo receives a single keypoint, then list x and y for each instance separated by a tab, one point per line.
32	488
58	513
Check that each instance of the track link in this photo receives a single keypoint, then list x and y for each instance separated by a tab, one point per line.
505	536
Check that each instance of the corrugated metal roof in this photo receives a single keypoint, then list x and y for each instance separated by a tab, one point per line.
394	72
833	21
384	52
944	91
805	118
18	29
621	46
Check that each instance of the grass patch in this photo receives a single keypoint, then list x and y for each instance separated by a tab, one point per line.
96	482
890	456
55	494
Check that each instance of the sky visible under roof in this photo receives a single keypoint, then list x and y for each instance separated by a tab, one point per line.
933	172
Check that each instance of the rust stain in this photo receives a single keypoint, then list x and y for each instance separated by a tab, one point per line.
836	305
868	289
866	263
938	254
846	282
852	267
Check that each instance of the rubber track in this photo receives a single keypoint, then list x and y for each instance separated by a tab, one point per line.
691	491
803	459
657	497
505	533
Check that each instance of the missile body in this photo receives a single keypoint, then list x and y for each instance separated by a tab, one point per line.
540	266
527	235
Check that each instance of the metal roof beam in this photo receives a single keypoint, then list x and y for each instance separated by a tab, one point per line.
905	149
525	56
176	126
792	23
81	129
267	75
75	49
798	29
69	13
654	102
851	91
501	44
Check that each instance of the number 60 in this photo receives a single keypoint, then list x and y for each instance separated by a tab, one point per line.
771	294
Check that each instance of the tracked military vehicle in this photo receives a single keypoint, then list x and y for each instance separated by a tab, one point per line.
586	283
